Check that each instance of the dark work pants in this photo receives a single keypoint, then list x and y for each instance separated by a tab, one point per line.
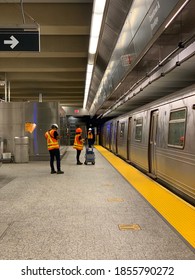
78	155
55	153
90	143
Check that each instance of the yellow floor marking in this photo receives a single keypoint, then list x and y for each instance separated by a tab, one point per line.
115	199
129	227
177	212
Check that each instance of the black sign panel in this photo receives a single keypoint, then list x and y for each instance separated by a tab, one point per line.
19	40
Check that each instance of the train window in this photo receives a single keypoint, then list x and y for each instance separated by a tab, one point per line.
138	129
107	133
176	132
122	129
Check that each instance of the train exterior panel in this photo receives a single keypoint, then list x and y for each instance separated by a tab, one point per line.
159	139
139	140
122	137
114	133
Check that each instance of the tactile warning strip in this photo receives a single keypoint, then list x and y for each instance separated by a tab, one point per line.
176	211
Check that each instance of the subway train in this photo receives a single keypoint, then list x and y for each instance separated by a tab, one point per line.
159	139
1	152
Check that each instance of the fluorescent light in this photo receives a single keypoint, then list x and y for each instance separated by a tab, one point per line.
96	25
93	45
99	6
176	13
96	22
89	68
98	10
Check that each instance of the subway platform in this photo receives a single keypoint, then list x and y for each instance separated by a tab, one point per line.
91	212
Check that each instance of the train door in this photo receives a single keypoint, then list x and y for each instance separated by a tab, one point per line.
110	137
128	138
114	138
152	142
117	131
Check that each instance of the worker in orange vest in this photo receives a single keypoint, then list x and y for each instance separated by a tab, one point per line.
78	144
90	138
52	137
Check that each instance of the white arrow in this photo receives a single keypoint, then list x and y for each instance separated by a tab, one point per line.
13	42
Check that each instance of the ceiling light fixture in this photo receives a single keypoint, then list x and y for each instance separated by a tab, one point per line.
96	22
176	13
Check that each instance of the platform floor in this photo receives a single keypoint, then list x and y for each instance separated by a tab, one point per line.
90	212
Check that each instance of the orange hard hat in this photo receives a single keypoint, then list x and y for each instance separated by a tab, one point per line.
78	130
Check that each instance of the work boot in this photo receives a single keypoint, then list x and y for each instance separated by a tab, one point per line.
53	172
60	172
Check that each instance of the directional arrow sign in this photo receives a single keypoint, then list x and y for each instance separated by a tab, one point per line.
13	42
18	39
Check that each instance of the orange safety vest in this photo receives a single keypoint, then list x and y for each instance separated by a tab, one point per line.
78	144
52	143
90	135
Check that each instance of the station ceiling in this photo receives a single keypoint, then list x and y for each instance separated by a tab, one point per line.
58	71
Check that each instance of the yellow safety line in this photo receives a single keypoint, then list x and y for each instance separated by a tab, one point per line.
177	212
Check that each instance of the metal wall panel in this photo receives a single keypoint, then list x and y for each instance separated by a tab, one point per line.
43	114
12	118
14	115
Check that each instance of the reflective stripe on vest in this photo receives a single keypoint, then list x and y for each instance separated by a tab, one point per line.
52	143
90	135
77	143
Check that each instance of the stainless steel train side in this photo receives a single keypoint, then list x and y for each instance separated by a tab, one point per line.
1	152
159	138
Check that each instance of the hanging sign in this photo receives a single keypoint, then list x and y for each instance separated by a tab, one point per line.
19	39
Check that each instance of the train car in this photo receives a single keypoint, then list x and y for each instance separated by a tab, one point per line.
1	152
159	138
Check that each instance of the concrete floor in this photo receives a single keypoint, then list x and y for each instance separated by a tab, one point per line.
77	215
